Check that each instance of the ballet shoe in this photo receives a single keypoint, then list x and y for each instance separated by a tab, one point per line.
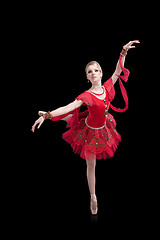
93	206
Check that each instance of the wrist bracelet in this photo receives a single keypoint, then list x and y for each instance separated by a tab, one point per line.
46	115
126	49
124	52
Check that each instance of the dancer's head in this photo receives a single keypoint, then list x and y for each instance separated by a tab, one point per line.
93	71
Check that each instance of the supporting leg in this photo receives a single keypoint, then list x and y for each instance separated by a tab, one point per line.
91	165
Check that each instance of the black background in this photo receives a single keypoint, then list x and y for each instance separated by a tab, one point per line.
56	43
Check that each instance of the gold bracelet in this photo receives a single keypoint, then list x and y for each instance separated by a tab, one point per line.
126	49
123	52
46	115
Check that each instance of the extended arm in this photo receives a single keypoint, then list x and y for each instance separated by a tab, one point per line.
66	109
118	69
59	111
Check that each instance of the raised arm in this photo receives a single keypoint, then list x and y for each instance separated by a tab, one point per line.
59	111
118	70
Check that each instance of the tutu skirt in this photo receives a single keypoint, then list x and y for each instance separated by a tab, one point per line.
85	141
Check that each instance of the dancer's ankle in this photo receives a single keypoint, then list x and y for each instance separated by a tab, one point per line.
93	197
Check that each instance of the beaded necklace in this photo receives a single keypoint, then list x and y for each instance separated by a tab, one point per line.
98	94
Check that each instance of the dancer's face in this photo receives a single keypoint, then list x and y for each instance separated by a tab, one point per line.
94	74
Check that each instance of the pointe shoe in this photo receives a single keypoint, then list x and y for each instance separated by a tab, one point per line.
93	206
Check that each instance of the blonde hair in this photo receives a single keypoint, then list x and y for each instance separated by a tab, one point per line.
93	63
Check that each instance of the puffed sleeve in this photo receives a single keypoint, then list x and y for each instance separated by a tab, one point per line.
110	89
86	98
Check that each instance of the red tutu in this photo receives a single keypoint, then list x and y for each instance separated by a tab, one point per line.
85	141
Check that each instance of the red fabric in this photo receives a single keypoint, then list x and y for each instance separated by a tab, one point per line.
84	140
110	89
123	90
61	116
95	107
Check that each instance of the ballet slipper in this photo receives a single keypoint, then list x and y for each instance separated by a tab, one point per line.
93	205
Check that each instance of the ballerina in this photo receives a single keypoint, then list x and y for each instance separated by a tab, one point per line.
92	133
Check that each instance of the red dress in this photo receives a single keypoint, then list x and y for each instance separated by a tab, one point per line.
94	131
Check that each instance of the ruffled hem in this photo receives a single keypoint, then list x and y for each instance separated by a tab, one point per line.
86	141
86	154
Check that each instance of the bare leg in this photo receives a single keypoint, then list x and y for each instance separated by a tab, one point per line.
91	165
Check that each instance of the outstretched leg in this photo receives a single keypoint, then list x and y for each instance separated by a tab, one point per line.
91	165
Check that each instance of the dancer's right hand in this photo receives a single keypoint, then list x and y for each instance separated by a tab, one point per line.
39	121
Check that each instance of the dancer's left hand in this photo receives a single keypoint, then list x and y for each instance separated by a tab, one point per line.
129	45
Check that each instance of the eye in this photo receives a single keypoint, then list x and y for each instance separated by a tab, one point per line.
89	71
96	70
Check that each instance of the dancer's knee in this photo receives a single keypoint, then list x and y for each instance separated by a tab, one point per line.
90	156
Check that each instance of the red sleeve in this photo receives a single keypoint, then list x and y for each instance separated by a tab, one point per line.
61	116
86	98
110	89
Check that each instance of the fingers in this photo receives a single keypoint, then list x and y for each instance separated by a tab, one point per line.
33	127
134	41
40	124
132	46
129	45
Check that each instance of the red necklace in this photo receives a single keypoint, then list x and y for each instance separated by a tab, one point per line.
98	93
